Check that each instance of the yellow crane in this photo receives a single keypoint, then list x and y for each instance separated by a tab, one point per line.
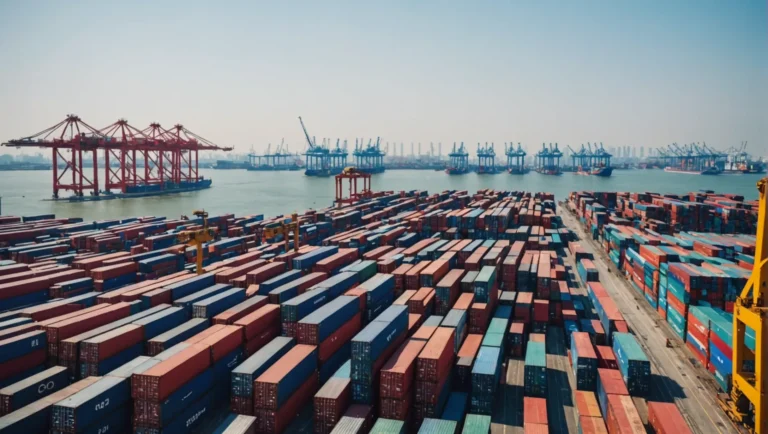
197	237
285	229
746	404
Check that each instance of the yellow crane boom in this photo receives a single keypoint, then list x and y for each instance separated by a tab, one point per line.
747	401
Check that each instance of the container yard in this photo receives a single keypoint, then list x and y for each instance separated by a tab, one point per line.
493	311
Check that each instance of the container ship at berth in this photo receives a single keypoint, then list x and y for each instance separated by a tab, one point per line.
598	171
386	312
591	162
712	170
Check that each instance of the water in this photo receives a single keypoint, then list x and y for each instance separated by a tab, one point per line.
272	193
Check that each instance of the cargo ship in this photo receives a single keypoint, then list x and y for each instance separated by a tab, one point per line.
137	191
712	170
25	166
456	170
268	168
597	171
549	171
230	165
518	170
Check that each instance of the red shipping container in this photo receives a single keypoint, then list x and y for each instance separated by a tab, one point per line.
264	337
377	253
263	318
238	271
239	311
222	342
43	283
242	405
428	392
50	310
541	310
267	385
262	274
586	403
397	409
334	262
422	301
159	381
330	402
612	382
110	343
402	300
435	360
592	425
665	418
18	365
112	271
398	372
341	336
534	410
271	421
82	323
464	301
535	428
412	276
623	417
432	274
606	359
424	333
32	273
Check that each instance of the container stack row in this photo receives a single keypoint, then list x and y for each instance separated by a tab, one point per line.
691	272
396	314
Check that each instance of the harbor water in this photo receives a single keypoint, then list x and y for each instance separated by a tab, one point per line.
273	193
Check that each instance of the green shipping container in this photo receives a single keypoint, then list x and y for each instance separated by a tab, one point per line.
477	424
438	426
535	372
388	426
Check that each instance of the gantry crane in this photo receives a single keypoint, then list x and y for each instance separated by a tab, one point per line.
284	228
747	401
197	237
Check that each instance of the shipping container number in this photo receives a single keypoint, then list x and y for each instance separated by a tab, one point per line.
102	405
195	417
44	387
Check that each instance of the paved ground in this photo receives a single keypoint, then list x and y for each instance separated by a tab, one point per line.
508	412
561	410
677	377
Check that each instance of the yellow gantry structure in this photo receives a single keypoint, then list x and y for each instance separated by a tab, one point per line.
285	229
747	404
196	238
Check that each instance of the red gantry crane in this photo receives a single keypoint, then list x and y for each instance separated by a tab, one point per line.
148	157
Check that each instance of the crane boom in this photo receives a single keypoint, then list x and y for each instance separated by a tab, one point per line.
306	134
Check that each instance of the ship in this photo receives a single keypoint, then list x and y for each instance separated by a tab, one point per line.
456	170
25	166
551	171
518	170
134	191
231	164
270	168
596	171
711	170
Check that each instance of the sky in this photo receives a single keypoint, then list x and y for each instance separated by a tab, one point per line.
638	73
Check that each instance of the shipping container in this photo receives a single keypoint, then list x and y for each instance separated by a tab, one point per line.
633	363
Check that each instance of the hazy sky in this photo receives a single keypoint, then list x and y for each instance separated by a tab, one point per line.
240	73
